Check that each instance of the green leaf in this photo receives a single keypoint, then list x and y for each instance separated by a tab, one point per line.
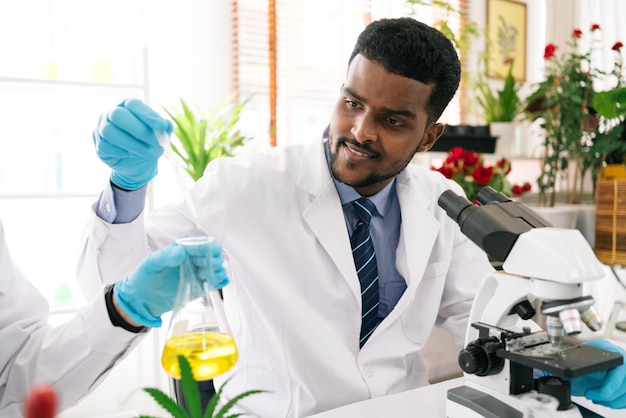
167	403
200	139
612	103
222	412
192	397
190	388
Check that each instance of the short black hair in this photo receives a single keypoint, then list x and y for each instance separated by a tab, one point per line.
412	49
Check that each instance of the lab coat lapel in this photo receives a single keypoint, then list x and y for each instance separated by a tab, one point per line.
324	215
418	233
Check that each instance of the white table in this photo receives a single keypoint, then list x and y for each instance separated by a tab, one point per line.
429	401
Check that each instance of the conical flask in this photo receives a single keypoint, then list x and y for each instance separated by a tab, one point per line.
197	330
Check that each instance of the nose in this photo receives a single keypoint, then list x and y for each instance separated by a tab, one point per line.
364	128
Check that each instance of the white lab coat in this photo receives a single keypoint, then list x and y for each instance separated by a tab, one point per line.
294	303
74	357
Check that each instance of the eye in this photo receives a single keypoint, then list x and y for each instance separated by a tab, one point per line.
394	122
352	104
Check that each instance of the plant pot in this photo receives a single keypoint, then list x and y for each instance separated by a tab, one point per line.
613	171
510	141
473	138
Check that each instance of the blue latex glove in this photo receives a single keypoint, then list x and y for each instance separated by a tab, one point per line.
606	387
126	141
151	289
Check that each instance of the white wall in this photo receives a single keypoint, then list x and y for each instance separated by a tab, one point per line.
189	44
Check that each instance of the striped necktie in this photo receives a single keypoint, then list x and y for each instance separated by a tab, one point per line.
365	263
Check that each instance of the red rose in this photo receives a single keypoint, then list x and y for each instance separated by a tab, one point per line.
445	170
526	187
549	51
517	190
471	158
617	46
595	27
456	153
577	33
482	175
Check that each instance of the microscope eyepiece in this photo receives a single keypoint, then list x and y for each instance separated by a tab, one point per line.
453	204
489	194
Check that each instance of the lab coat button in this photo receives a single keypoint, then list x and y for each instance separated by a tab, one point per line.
107	207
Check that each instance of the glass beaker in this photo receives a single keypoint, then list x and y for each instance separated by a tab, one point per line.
195	330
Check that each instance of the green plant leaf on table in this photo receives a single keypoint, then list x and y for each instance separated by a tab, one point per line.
192	397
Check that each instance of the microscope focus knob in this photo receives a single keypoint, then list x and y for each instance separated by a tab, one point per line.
524	310
479	357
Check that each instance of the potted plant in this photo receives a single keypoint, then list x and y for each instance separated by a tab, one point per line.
562	103
200	139
194	408
499	102
467	167
499	105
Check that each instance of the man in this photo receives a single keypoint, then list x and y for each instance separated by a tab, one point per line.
76	356
289	227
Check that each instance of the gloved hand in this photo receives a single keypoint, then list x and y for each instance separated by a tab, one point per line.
605	387
126	141
151	289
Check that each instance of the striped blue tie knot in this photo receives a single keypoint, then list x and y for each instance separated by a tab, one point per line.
365	264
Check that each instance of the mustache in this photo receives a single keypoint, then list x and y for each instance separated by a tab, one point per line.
356	144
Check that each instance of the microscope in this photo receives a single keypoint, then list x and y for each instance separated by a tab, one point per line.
508	356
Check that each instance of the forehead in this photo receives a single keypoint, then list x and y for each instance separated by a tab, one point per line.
380	88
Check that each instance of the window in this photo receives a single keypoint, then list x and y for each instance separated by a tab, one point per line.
313	43
73	60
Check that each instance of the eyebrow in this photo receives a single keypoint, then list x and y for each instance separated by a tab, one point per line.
403	112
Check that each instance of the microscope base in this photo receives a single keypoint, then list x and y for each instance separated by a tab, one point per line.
471	402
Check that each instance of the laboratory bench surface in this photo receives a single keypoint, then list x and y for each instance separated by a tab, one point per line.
428	401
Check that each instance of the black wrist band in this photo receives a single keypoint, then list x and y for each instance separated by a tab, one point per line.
118	187
115	317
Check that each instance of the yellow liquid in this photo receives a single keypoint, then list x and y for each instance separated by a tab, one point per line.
209	354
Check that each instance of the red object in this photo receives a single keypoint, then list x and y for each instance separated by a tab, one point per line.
549	51
482	175
41	402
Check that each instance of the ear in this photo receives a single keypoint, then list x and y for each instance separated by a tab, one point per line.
432	134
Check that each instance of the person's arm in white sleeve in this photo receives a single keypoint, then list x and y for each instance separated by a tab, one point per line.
76	356
73	357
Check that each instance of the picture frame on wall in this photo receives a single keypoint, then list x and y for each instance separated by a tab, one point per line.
506	29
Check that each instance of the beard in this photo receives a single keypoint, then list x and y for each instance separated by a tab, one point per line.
371	178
